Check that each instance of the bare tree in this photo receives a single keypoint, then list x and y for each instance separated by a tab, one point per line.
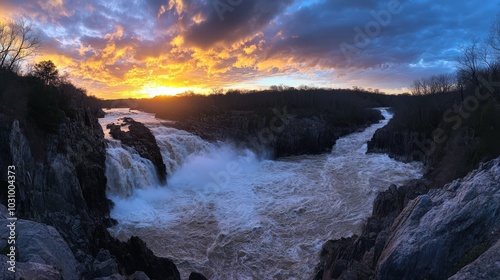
469	63
416	87
7	38
18	41
442	83
435	84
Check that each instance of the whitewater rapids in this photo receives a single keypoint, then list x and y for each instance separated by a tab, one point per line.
228	214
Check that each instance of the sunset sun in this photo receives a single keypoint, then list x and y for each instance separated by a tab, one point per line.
152	91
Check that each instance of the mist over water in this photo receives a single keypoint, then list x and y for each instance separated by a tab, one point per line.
230	214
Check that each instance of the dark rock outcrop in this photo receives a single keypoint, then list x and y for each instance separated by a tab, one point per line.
142	140
401	145
412	235
309	136
134	255
196	276
448	152
356	256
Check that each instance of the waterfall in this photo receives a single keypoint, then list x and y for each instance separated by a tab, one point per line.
126	170
231	215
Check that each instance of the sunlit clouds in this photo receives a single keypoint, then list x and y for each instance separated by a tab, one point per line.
146	48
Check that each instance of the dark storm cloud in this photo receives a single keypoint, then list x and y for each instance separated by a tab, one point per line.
227	26
423	29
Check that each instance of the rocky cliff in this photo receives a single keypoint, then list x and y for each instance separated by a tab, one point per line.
414	233
283	133
401	145
60	187
60	176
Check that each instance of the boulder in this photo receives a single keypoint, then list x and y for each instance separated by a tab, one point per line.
104	264
434	232
37	271
134	255
138	275
40	248
112	277
196	276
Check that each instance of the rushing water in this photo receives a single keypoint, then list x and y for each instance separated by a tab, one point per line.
229	215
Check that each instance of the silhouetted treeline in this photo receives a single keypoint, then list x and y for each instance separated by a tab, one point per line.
339	106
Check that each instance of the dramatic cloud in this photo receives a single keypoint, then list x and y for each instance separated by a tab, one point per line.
142	48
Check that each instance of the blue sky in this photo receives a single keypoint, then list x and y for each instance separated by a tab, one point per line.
142	48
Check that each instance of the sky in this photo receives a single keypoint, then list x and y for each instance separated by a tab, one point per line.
143	48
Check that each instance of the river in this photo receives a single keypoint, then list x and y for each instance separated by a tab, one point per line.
229	214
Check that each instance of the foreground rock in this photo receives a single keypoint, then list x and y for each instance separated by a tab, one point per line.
142	140
134	256
436	231
28	270
432	236
40	248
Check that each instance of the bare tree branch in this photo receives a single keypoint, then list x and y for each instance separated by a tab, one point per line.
470	61
18	41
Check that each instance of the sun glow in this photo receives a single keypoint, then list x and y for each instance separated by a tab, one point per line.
163	90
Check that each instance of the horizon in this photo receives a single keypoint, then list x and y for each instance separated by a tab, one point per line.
250	91
171	47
